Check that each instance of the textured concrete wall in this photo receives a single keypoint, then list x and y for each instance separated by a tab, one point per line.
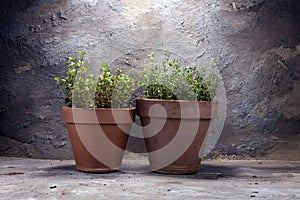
256	43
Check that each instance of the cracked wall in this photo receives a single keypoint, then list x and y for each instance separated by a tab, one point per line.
256	44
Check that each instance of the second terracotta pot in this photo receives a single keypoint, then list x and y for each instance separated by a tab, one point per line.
174	132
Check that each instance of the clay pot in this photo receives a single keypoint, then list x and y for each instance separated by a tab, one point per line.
98	137
174	132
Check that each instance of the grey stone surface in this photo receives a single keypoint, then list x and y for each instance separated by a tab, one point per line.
256	44
53	179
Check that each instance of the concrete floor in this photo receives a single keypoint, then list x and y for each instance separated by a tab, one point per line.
22	178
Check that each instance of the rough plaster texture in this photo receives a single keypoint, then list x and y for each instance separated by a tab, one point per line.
255	42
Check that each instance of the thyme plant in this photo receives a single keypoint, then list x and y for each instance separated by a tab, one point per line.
169	81
83	89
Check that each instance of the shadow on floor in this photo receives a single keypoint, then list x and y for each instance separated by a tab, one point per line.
215	172
207	171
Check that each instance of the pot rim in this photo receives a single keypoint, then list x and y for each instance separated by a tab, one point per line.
99	109
180	101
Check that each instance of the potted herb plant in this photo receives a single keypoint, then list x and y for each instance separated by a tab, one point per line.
176	114
97	114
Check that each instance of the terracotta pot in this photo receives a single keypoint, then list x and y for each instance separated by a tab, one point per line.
174	132
98	136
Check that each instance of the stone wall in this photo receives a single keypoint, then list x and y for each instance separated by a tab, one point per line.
255	42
